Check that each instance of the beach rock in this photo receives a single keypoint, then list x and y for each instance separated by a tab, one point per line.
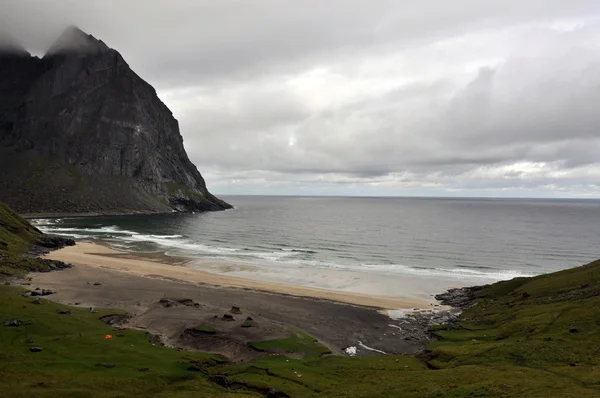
47	292
235	310
115	319
97	284
166	302
53	241
36	349
13	323
459	298
228	317
105	139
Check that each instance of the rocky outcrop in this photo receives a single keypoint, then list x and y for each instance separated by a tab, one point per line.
81	132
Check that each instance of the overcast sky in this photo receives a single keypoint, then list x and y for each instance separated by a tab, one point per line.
353	97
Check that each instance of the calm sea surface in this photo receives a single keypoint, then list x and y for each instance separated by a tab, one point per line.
475	238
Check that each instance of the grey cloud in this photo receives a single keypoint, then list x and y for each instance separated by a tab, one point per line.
490	90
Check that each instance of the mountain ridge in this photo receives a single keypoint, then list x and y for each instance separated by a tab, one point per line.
82	132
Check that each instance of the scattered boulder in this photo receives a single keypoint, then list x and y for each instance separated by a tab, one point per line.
165	302
97	284
249	318
228	317
235	310
187	302
64	312
36	349
13	323
115	319
573	330
42	292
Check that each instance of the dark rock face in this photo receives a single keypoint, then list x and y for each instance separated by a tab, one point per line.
81	132
461	298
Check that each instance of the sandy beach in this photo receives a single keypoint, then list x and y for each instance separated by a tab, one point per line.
151	287
173	268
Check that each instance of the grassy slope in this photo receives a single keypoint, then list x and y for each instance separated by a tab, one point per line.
534	337
16	235
73	346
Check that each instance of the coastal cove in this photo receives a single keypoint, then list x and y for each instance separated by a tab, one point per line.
126	325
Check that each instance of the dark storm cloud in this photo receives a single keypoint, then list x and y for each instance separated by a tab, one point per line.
397	97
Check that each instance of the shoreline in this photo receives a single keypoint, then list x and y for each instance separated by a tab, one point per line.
34	216
160	266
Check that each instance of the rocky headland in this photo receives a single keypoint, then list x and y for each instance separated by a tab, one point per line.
81	132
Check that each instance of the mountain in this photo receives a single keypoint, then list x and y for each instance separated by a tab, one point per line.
81	132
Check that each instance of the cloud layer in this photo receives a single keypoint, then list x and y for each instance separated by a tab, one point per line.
363	97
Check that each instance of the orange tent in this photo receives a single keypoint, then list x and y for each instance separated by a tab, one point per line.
107	337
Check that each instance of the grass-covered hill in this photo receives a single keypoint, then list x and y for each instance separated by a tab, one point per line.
528	337
19	241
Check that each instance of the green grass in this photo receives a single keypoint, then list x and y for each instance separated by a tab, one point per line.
74	345
296	343
16	235
205	329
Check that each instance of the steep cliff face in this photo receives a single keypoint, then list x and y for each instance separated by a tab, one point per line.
80	132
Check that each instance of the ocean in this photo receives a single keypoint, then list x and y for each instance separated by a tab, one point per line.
460	240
